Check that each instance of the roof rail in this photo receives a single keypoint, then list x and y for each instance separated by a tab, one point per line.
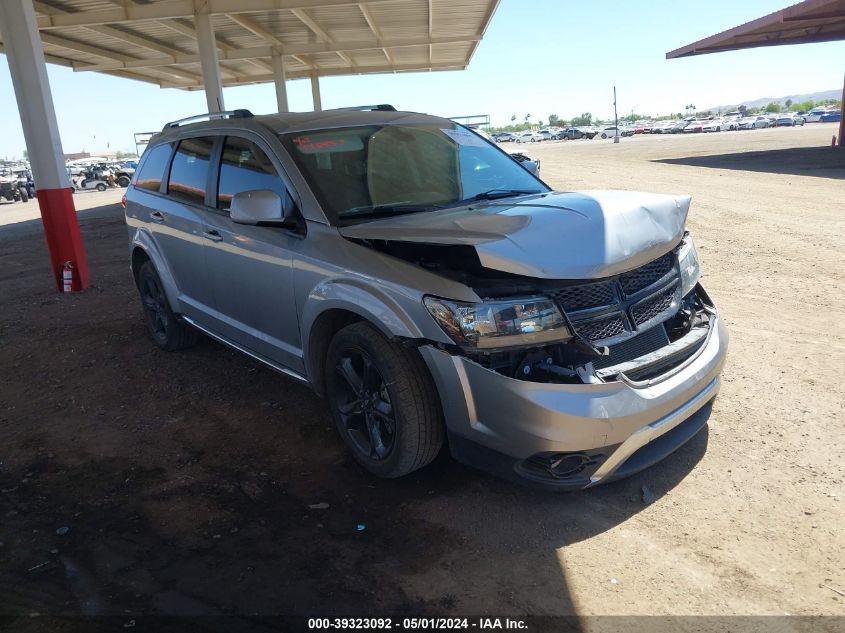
210	116
382	107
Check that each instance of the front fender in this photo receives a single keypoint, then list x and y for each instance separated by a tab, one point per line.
141	238
400	316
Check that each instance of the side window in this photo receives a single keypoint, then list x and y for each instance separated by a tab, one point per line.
189	171
152	170
245	167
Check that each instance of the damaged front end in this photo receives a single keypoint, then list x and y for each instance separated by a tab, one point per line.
575	383
569	383
636	326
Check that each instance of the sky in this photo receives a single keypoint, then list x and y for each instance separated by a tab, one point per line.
538	57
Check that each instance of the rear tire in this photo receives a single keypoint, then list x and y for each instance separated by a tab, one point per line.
123	181
101	187
384	402
168	332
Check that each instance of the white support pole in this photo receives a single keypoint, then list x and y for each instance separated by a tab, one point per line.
208	61
22	43
279	78
315	93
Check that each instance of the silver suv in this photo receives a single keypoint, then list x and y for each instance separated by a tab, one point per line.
432	288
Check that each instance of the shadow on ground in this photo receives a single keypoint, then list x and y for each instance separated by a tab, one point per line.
823	162
135	481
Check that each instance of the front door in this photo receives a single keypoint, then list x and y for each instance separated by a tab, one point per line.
251	267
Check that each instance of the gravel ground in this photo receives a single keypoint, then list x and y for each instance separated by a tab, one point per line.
134	481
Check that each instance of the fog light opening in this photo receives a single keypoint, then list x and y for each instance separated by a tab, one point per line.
568	464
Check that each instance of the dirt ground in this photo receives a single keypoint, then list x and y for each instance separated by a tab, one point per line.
134	481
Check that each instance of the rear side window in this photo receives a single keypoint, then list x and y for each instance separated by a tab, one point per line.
245	167
152	170
189	171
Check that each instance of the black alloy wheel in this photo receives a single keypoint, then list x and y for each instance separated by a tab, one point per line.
155	306
383	400
364	405
167	330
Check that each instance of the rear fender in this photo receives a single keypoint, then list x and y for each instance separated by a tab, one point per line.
142	239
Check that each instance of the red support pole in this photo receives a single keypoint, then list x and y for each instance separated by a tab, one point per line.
28	69
64	241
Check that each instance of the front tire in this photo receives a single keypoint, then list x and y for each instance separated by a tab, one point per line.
384	402
168	332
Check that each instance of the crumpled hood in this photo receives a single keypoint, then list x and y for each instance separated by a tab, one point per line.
583	235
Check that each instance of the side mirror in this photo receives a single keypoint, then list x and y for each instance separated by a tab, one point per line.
262	207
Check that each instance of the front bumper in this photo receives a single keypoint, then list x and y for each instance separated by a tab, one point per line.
499	423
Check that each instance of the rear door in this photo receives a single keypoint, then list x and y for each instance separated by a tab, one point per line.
251	266
178	223
168	200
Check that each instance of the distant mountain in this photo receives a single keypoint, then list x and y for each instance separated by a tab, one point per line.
764	101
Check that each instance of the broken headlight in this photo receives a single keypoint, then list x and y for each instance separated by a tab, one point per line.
495	324
690	269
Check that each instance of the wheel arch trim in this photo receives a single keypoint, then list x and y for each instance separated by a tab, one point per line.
143	240
358	298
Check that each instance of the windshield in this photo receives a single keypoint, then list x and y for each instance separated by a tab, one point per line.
359	173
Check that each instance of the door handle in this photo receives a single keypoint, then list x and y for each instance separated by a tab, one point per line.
213	235
157	216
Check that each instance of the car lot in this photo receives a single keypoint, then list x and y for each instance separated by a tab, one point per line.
185	480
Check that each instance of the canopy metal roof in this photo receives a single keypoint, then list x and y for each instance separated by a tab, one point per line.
802	23
155	40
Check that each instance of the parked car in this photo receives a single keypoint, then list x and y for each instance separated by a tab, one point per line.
753	123
562	349
504	137
531	164
815	115
831	117
695	126
713	125
12	191
664	127
747	123
610	132
785	120
589	131
530	137
730	123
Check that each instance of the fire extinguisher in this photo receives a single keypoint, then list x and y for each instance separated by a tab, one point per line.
67	277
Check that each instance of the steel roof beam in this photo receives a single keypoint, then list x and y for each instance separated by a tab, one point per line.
331	72
259	52
164	9
365	11
256	29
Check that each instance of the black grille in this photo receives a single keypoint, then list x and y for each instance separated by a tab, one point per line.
644	276
612	310
586	296
650	308
601	329
642	344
